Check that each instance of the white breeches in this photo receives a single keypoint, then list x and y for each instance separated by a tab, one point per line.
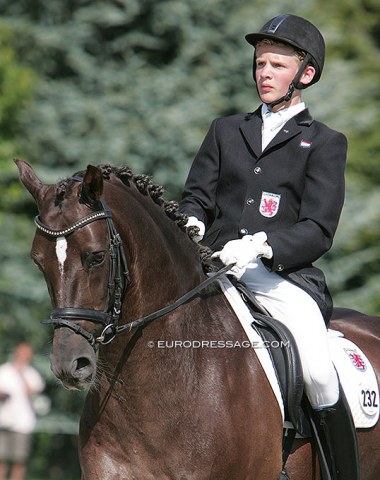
300	313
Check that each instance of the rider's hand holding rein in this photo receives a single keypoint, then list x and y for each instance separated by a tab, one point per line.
244	251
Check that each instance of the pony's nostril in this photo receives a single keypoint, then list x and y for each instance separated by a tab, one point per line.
81	363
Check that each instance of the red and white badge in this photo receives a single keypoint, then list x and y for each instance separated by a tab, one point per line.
356	359
269	204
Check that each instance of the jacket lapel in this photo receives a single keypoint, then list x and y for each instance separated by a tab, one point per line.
251	130
288	131
291	128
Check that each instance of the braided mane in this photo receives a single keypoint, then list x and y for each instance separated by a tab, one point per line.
146	187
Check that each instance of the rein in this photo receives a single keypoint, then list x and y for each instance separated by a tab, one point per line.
116	287
140	322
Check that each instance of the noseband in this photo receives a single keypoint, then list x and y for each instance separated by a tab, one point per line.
117	282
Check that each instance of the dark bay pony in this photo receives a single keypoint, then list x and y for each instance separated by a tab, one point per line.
158	406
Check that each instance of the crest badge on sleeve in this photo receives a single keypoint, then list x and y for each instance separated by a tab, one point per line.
269	204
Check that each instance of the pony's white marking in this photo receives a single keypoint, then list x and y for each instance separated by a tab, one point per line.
60	250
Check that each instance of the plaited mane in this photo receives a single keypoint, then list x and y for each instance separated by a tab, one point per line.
146	187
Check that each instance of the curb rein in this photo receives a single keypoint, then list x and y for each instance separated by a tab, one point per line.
117	284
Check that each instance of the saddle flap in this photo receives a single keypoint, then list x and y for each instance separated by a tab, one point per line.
284	370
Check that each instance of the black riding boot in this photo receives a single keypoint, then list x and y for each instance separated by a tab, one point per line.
337	430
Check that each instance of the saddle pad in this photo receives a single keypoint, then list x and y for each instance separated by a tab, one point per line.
358	379
254	339
356	374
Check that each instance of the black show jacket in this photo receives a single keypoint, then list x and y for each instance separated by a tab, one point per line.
293	190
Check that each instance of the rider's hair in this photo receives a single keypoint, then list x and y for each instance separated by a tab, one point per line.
300	54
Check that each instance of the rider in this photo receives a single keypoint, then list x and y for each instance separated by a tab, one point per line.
267	189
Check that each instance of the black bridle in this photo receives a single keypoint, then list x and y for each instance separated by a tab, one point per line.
117	284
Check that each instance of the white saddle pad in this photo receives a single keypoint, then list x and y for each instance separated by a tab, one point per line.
358	379
356	374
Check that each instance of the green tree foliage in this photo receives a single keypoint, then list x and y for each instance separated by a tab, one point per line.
132	82
16	84
138	82
357	45
353	265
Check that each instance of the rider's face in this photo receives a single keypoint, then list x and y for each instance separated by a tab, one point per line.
276	67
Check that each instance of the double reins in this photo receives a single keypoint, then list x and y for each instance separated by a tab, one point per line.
140	322
117	284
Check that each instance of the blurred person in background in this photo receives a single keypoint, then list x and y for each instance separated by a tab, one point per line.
19	381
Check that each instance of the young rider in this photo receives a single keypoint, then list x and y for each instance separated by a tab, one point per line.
267	189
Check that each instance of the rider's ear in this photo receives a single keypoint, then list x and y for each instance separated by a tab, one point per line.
307	75
92	185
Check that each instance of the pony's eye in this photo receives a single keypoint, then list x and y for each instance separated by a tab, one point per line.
95	259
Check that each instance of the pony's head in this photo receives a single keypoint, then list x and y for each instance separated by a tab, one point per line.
84	262
71	248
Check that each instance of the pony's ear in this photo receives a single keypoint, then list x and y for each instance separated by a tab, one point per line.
92	185
30	180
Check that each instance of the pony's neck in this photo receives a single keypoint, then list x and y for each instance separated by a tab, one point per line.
164	263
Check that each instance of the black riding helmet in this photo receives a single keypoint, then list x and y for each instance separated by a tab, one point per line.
300	34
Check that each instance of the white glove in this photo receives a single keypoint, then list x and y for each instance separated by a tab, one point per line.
194	222
244	251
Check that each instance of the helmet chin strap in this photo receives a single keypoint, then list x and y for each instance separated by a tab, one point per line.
293	85
283	99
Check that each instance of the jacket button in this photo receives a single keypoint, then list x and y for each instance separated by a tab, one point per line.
257	170
280	267
250	201
244	231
